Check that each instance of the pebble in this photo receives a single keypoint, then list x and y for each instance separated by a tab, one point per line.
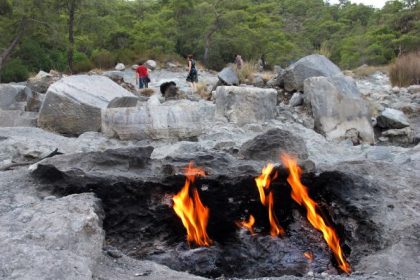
324	274
310	274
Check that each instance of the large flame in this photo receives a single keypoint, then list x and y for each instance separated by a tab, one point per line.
249	225
301	196
194	215
263	184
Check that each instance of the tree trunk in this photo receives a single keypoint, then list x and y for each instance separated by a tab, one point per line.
70	51
8	51
207	43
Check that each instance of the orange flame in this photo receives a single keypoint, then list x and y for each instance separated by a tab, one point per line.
309	256
301	196
263	184
249	225
194	215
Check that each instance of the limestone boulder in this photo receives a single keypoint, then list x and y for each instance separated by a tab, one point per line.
392	118
12	97
120	67
175	119
73	104
337	107
243	105
228	76
310	66
296	100
41	82
18	118
151	64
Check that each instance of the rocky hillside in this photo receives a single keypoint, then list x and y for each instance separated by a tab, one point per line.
74	149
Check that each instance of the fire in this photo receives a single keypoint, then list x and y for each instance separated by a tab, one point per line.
309	256
249	225
193	214
301	196
263	184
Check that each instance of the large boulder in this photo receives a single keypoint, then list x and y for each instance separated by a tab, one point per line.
15	118
391	118
41	82
228	76
182	119
337	107
151	64
310	66
243	105
120	67
12	97
73	104
269	145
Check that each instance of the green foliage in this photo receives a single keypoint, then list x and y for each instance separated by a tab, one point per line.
15	71
81	63
280	31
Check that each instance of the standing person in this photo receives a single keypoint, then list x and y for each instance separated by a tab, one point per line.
239	62
142	75
192	77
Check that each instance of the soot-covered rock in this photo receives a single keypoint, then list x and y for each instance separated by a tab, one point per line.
270	145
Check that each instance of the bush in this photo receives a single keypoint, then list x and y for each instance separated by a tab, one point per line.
406	70
103	59
14	71
247	71
81	63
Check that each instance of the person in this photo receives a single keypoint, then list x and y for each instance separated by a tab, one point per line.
142	76
192	77
239	62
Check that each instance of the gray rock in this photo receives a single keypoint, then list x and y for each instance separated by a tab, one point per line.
391	118
228	76
414	89
258	81
400	136
73	104
15	118
278	79
12	97
114	75
269	145
151	64
310	66
243	105
54	239
337	107
34	101
120	67
122	102
181	119
297	99
277	69
41	82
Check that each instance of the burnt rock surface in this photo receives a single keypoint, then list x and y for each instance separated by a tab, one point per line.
136	194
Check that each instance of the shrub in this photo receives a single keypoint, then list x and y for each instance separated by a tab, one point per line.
81	63
103	59
201	89
406	70
14	71
247	71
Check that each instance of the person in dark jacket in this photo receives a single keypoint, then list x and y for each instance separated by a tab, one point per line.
192	77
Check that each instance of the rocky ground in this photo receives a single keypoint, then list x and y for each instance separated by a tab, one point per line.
53	212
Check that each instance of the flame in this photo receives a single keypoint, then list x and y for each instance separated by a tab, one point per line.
249	225
193	214
309	256
263	184
301	196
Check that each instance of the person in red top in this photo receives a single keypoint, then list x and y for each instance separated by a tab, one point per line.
143	76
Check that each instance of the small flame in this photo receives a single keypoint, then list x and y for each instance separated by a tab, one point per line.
263	184
309	256
249	225
301	196
193	214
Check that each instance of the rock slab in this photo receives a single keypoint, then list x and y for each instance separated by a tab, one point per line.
243	105
392	118
337	107
182	119
228	76
310	66
73	104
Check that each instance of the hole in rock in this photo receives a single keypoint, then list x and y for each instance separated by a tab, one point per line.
141	222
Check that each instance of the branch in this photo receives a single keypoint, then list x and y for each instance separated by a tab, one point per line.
6	53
